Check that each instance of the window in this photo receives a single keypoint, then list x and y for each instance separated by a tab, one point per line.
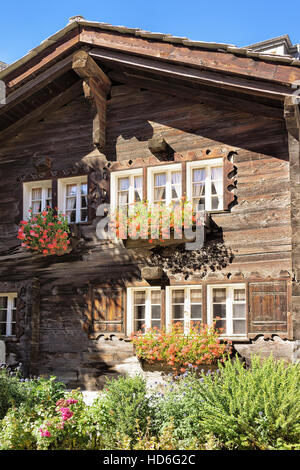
72	198
184	305
8	314
227	307
126	188
164	184
205	183
144	309
37	196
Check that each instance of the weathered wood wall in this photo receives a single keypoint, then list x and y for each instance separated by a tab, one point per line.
257	229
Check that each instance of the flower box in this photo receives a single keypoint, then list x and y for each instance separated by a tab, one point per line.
157	366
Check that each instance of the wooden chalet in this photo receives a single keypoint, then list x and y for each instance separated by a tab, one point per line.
107	109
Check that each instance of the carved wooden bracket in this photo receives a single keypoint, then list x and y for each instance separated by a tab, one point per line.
96	86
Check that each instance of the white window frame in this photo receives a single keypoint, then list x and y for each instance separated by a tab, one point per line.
115	176
168	169
10	308
187	305
207	164
130	305
27	195
62	193
229	308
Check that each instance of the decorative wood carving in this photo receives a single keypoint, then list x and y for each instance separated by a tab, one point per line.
96	86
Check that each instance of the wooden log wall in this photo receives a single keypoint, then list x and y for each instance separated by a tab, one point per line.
257	229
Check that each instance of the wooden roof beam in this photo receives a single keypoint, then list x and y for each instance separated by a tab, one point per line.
201	77
96	87
292	116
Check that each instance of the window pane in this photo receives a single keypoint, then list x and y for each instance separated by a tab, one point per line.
198	190
198	175
71	203
3	314
160	194
155	311
71	190
37	207
160	179
239	311
219	295
71	216
239	326
3	329
221	324
139	312
139	297
239	295
3	302
196	311
196	296
219	310
123	198
123	184
178	312
83	188
217	173
155	297
178	296
139	325
155	324
36	194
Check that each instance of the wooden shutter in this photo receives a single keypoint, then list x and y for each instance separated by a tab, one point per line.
107	311
267	308
228	182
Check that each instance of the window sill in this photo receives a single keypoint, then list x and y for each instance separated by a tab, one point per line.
236	339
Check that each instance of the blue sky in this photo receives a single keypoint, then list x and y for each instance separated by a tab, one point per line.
24	24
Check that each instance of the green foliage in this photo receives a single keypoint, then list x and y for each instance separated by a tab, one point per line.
15	390
233	408
256	408
125	402
11	391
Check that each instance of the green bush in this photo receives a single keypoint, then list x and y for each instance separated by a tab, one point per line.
124	403
12	391
15	390
255	408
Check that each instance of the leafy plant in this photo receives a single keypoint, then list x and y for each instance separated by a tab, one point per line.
255	408
45	233
125	401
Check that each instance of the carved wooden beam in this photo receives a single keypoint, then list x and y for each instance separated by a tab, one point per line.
96	86
292	116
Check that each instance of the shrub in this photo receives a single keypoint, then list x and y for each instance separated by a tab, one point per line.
177	349
124	403
15	390
12	391
45	233
255	408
